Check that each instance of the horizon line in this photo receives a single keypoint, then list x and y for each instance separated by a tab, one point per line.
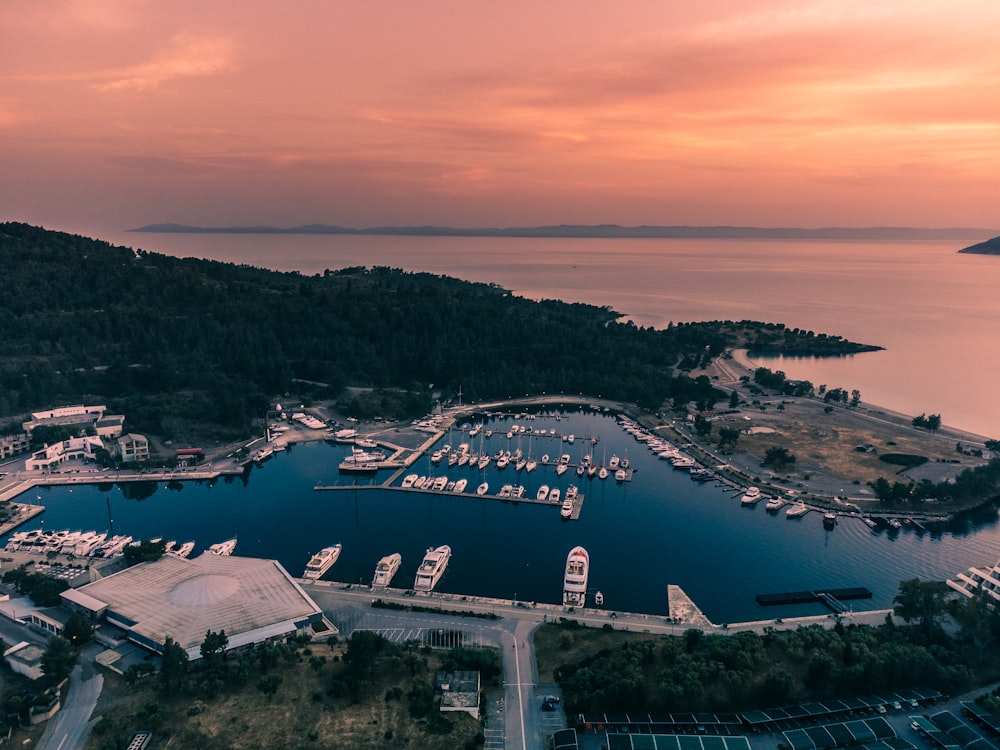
615	231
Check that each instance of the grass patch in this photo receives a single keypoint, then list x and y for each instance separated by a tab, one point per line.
309	709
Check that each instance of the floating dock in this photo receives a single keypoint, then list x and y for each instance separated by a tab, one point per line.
830	597
577	501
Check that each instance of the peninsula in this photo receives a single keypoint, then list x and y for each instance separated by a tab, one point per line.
989	247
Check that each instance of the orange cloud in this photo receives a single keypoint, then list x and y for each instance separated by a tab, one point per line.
186	57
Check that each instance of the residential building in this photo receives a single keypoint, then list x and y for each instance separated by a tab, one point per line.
132	447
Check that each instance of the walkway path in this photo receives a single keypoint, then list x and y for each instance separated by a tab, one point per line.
69	728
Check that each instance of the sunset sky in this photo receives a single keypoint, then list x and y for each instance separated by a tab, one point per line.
119	113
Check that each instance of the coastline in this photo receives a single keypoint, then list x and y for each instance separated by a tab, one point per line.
743	359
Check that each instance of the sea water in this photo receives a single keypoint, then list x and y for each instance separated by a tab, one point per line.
659	528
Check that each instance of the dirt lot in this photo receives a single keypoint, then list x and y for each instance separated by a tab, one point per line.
300	714
837	450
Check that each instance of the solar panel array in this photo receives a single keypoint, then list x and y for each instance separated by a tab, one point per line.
955	733
859	732
665	724
982	716
675	742
565	739
834	707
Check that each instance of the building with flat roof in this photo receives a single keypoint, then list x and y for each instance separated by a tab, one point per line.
65	415
52	455
132	447
251	599
459	691
110	426
16	442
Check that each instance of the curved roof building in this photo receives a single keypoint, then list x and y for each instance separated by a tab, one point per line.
251	599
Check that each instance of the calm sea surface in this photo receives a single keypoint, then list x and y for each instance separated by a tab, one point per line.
933	310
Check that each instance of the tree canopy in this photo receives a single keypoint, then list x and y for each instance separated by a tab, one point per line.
164	339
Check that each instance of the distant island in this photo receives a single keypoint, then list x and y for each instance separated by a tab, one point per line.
989	247
612	231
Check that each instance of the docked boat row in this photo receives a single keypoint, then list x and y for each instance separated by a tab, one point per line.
81	543
667	451
361	461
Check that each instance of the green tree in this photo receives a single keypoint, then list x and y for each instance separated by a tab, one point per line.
269	683
778	457
727	438
734	399
213	648
173	667
921	601
77	630
58	659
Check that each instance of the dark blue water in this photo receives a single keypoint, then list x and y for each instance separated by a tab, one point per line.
661	528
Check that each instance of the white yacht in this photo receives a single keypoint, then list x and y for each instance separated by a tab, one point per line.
620	475
483	488
89	542
774	504
554	495
461	484
567	507
518	491
530	465
321	562
613	462
797	510
602	473
223	548
409	480
561	469
543	493
386	569
503	461
439	484
751	498
575	580
184	550
432	568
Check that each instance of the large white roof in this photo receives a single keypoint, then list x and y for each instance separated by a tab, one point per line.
183	599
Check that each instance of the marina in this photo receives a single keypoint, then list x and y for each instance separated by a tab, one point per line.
669	516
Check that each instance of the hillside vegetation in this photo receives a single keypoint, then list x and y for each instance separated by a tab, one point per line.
168	340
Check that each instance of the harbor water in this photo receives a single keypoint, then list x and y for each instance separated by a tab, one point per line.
659	528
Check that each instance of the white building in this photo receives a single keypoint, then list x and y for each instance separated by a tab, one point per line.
51	456
66	415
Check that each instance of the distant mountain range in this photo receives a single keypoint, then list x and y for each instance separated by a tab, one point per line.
611	231
990	247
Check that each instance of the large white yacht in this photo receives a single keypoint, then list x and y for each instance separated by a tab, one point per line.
223	548
386	569
575	580
321	562
432	568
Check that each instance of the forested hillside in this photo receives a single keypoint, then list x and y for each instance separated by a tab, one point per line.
162	338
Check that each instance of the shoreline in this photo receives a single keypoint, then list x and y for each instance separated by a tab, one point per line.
743	359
